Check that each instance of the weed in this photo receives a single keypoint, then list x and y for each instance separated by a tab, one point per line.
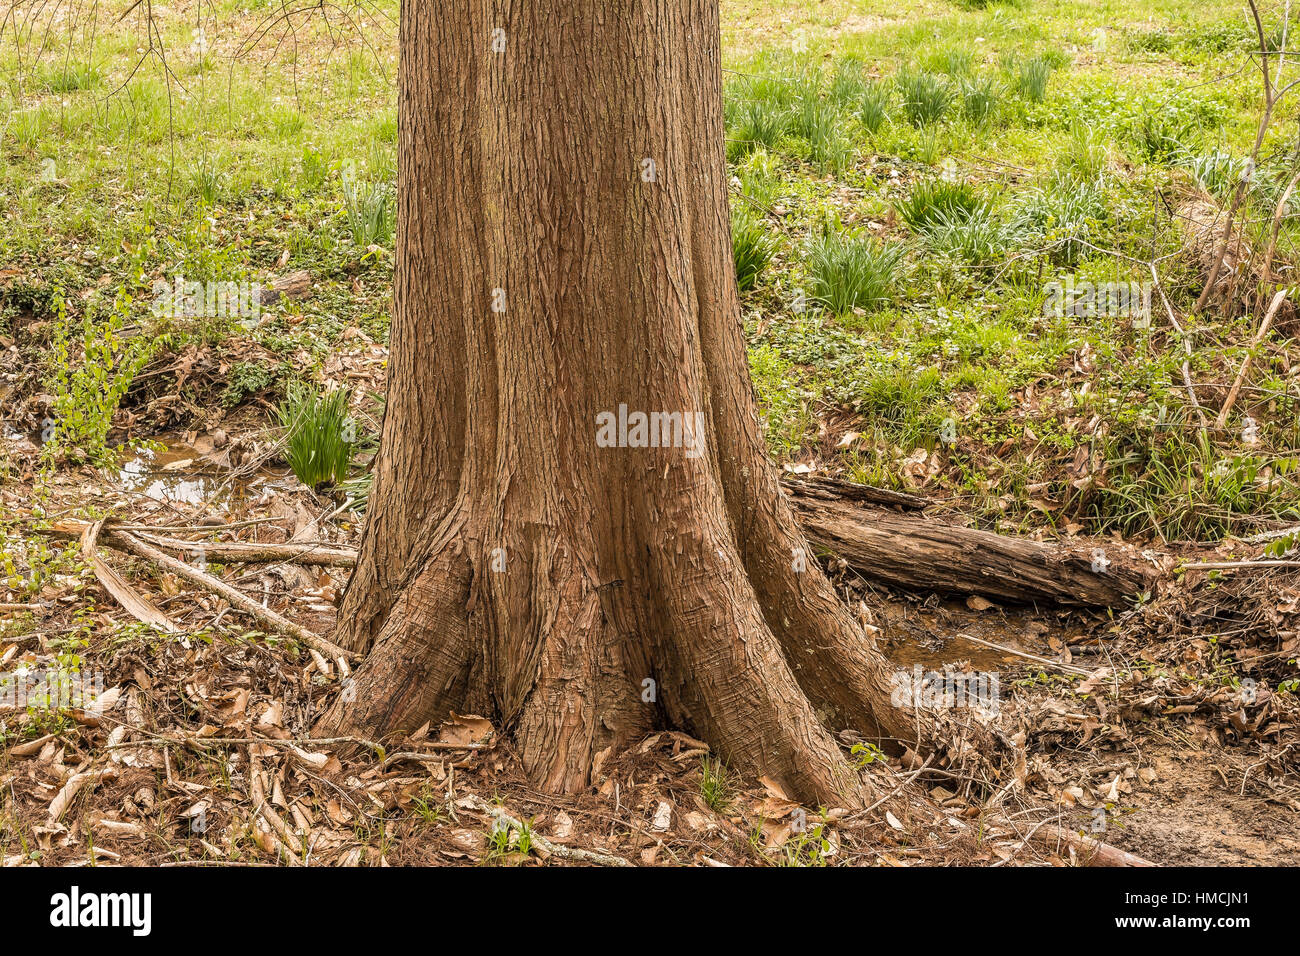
751	246
319	434
848	274
931	199
369	210
715	785
926	97
88	387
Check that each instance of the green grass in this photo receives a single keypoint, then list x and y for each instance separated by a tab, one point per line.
926	97
319	434
920	170
751	245
848	274
932	199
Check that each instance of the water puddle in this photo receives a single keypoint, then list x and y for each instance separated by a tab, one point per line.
175	473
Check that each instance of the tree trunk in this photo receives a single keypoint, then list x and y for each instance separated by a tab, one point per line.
564	266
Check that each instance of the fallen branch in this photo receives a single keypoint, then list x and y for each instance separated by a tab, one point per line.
1264	326
125	541
1231	565
926	554
139	607
1046	661
1093	852
308	552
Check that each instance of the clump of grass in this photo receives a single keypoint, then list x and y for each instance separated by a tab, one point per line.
1060	213
1029	78
751	247
873	107
1083	157
849	274
926	97
369	210
1217	172
817	121
952	61
208	180
715	785
980	97
975	237
68	77
758	123
930	199
319	434
848	82
1163	137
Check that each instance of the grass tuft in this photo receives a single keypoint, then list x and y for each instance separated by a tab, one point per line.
319	434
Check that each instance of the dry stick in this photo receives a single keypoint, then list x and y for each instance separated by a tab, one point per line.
237	598
161	741
1033	657
899	789
1187	345
299	552
1097	853
139	606
1267	269
192	529
280	832
1230	565
546	846
1264	326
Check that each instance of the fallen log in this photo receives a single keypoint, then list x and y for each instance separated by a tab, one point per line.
858	523
928	554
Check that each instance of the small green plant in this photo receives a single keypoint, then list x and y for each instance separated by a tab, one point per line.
848	274
926	97
873	107
866	754
92	368
246	378
930	199
715	786
207	180
809	848
1030	77
319	434
980	97
369	210
751	247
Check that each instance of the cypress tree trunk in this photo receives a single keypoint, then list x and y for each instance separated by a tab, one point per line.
574	528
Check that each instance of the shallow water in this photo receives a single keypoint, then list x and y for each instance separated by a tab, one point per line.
177	474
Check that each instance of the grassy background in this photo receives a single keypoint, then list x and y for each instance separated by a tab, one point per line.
908	178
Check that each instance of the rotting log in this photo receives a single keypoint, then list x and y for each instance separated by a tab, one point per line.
928	554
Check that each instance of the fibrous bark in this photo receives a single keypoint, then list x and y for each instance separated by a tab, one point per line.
564	261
